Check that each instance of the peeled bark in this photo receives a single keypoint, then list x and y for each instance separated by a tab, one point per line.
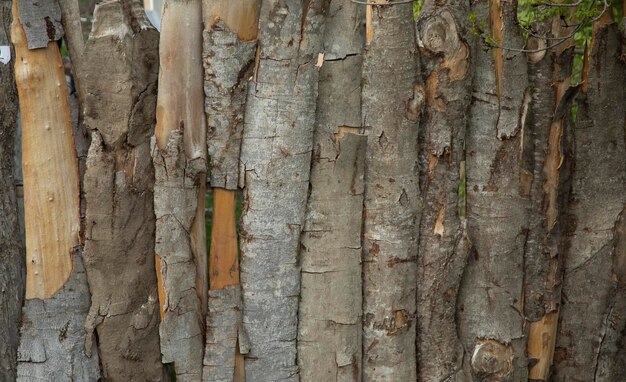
228	56
52	336
329	333
12	264
547	175
392	103
180	162
444	245
120	223
589	344
275	167
490	312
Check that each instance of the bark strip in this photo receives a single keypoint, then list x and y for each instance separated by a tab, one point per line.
12	261
444	245
329	333
180	161
597	200
392	102
490	312
120	223
275	167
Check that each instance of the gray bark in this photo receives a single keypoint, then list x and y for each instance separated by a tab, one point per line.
12	260
42	22
275	167
52	345
490	312
329	333
592	316
392	102
228	63
224	332
444	245
119	179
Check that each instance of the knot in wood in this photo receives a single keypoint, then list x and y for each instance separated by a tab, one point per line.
492	360
438	33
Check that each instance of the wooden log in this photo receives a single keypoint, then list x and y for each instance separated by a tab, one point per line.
180	161
229	52
275	166
329	333
392	100
120	223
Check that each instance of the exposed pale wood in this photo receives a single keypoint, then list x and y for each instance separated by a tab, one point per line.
240	16
180	160
224	254
496	28
50	166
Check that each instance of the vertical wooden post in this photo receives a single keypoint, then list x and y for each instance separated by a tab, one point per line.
180	162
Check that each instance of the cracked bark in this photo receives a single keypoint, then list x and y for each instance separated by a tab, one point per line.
490	319
586	346
392	101
180	161
275	167
329	334
52	345
12	264
228	55
547	171
119	179
444	245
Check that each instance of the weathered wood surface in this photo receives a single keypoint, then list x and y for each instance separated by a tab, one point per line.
330	312
590	333
180	162
444	245
546	150
392	103
120	224
12	264
228	56
490	318
275	166
41	21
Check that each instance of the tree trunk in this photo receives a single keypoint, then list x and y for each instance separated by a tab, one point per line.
12	264
180	162
120	223
392	103
52	336
229	50
589	344
490	316
275	167
329	333
444	245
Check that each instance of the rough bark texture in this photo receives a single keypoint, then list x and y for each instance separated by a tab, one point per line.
120	223
224	333
229	61
41	20
444	246
329	333
490	312
12	264
392	102
275	167
52	343
546	169
592	316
